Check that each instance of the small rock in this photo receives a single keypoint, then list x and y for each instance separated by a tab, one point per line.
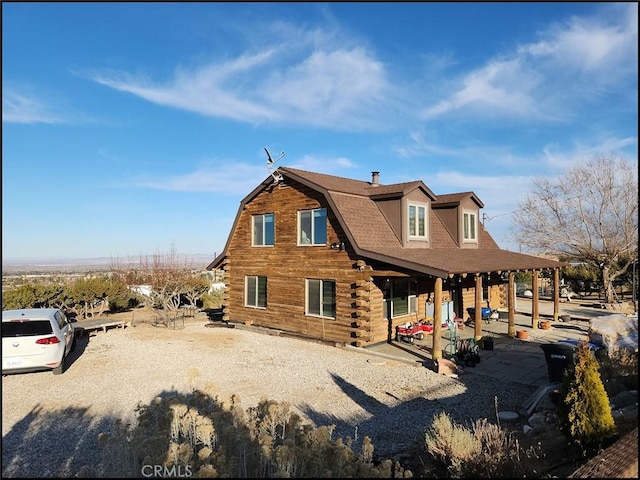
447	367
625	399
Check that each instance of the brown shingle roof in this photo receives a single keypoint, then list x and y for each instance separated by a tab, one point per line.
371	235
454	198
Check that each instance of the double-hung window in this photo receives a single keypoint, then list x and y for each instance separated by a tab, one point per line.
321	298
418	220
312	227
469	226
255	291
263	230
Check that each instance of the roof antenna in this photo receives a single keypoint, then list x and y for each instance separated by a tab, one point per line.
277	177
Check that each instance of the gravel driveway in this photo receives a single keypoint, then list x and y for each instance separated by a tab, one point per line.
50	424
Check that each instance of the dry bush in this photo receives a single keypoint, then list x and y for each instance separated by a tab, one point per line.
453	445
619	371
210	437
484	450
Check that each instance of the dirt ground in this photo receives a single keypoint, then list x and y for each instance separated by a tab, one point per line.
556	457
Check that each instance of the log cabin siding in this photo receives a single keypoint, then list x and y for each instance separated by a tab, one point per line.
287	265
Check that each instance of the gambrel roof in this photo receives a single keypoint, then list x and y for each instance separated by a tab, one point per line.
354	203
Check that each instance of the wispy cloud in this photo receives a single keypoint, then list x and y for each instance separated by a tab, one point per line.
311	82
585	55
328	165
18	107
228	177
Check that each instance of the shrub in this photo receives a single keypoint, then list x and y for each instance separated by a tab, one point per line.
211	437
452	445
619	371
213	299
584	412
483	450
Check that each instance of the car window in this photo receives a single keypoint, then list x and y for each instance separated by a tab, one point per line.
62	320
26	328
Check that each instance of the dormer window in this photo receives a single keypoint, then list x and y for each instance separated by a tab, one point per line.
469	226
418	220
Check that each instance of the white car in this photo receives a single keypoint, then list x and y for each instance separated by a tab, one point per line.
35	339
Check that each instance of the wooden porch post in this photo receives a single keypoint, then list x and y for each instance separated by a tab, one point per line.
511	329
556	294
534	301
437	320
477	321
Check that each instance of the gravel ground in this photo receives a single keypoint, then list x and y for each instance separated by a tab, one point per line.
50	423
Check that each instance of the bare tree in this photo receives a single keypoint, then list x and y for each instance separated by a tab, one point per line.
167	278
590	215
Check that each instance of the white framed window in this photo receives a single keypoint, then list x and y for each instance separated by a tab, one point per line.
263	231
469	226
418	218
321	298
255	291
312	227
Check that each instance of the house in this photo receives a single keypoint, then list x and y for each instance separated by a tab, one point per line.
347	261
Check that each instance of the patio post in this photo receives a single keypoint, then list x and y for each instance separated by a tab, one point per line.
511	329
477	321
534	301
437	320
556	294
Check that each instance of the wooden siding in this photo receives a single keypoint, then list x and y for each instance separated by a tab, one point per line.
286	266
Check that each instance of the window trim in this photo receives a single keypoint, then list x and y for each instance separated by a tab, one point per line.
418	206
312	240
474	214
253	226
321	293
257	289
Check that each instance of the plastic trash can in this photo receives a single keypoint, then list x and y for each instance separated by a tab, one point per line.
558	356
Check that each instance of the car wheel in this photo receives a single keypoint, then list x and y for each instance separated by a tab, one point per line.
60	368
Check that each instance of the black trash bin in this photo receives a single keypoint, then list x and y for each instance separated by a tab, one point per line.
558	356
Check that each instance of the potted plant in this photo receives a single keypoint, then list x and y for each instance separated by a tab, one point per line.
487	343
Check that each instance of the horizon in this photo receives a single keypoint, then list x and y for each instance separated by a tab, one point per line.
125	145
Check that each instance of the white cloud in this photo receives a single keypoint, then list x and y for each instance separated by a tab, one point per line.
231	178
328	165
570	62
499	88
311	82
26	108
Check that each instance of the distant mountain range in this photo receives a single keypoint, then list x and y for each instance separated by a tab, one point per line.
97	263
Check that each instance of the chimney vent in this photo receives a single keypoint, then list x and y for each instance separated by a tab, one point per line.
374	178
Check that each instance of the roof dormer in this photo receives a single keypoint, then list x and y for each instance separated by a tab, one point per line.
460	214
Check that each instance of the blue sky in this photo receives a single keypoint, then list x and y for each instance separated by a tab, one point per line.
130	129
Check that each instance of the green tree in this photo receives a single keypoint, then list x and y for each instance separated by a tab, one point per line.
582	277
584	413
195	286
36	295
590	215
